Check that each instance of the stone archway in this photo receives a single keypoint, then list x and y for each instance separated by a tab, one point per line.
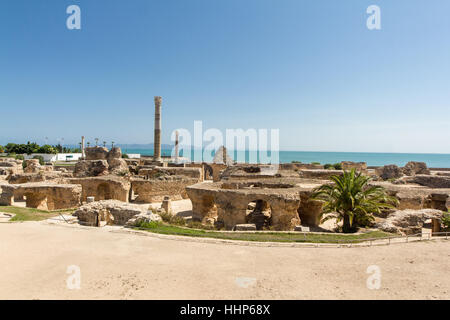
208	172
103	192
210	208
259	212
36	200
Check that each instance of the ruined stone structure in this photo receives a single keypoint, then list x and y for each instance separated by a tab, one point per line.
54	176
320	174
108	212
91	168
245	195
413	167
104	188
44	196
157	141
154	190
156	172
358	166
83	155
273	204
176	147
389	172
430	181
10	166
99	161
410	221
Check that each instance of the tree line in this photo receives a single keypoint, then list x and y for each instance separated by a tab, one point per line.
33	147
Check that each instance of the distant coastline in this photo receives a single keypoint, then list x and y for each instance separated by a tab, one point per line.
372	159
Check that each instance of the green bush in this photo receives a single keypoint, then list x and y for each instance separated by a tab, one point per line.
125	156
19	157
123	173
172	219
350	198
295	161
315	162
446	220
41	160
148	225
179	221
329	166
337	166
199	225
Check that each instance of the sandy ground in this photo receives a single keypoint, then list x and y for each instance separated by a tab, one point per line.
35	257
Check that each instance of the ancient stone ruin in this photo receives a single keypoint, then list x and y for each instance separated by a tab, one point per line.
108	189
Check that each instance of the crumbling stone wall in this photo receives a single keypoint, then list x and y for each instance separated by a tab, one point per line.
156	172
413	167
54	176
321	174
99	161
107	212
229	206
154	190
10	166
358	166
44	196
390	171
104	188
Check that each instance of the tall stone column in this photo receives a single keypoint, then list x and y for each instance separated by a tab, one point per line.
157	142
82	147
176	146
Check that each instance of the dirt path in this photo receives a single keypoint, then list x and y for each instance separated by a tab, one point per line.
35	257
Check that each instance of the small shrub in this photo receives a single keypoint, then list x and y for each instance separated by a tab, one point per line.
125	156
446	220
315	162
172	219
329	166
165	216
41	160
199	225
19	157
122	173
148	225
295	161
337	166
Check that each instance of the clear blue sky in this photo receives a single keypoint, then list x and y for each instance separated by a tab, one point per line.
310	68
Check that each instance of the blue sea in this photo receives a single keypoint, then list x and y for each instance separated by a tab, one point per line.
372	159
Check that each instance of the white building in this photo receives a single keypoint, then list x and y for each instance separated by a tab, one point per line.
54	157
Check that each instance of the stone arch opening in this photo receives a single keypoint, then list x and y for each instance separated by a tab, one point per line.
208	172
36	200
259	212
103	192
209	207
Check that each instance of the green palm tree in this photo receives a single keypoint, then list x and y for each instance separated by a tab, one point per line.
351	199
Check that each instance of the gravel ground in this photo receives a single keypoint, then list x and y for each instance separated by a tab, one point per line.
36	257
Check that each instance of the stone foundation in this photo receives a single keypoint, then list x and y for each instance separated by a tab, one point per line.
154	190
104	188
229	207
44	196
